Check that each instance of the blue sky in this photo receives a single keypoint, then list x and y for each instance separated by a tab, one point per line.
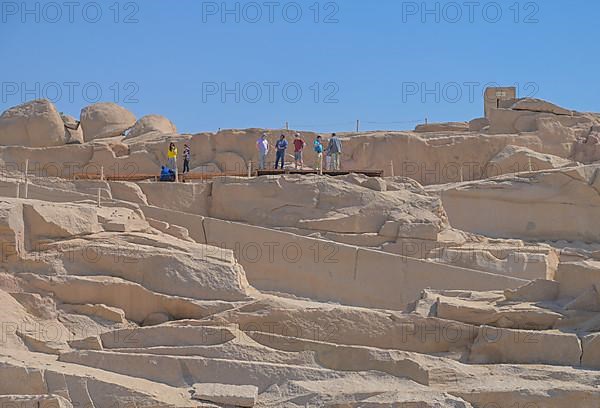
228	64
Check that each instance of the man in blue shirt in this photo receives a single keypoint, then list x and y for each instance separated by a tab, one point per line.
281	147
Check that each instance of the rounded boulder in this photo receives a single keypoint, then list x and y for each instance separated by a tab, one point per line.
152	124
33	124
103	120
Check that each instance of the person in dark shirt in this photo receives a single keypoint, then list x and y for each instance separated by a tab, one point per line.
187	156
334	149
280	147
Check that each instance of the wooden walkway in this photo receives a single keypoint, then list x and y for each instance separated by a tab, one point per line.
368	173
209	176
155	177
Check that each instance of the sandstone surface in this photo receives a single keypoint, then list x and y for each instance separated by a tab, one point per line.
467	276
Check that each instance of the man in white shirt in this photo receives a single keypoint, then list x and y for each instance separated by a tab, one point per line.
262	144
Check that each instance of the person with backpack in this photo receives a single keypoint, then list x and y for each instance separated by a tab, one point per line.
318	147
334	149
299	145
280	147
166	174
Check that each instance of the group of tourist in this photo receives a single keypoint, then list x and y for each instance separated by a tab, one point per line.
172	157
332	152
168	172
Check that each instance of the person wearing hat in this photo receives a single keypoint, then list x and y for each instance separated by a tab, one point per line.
299	145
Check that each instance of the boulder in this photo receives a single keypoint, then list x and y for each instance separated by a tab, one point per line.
588	301
591	351
507	346
515	159
156	124
32	124
443	127
73	130
493	313
515	262
576	278
89	343
479	124
108	313
47	221
539	105
35	304
536	291
235	395
127	191
105	119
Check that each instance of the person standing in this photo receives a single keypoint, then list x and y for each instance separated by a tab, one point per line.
299	145
172	157
262	144
281	147
318	147
334	149
187	157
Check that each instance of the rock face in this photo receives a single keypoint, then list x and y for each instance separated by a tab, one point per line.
521	159
346	206
546	205
103	120
155	124
33	124
481	289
